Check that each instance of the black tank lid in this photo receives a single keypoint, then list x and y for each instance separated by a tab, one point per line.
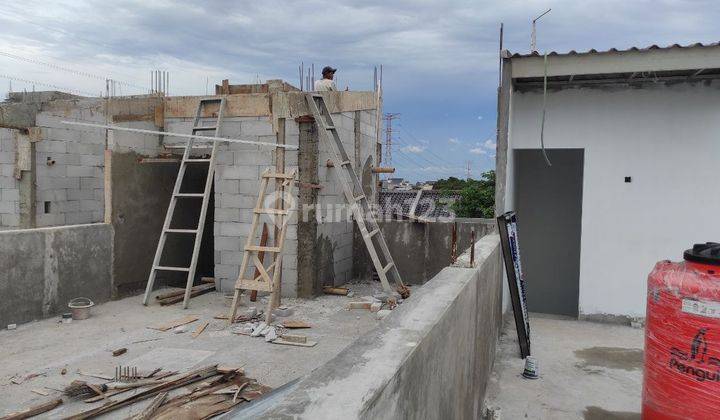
707	253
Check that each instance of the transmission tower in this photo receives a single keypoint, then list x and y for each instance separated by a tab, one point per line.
468	168
389	117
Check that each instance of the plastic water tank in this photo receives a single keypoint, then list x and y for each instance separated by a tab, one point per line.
682	337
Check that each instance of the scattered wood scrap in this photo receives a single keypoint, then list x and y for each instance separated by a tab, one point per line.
40	392
293	324
281	340
34	410
119	352
342	291
171	298
200	401
200	329
359	305
178	322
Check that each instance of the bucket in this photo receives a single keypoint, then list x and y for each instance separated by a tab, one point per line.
80	308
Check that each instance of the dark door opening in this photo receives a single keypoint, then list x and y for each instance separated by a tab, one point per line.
549	207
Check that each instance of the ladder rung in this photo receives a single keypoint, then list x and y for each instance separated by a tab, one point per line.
372	233
359	197
388	267
345	163
204	128
270	211
316	95
197	160
189	195
278	175
259	248
166	268
211	100
181	230
330	127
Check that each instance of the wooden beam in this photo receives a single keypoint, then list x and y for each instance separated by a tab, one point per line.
383	170
34	410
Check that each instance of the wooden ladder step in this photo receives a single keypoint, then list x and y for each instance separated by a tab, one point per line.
196	160
205	128
188	195
271	211
258	248
330	127
167	268
278	175
181	230
345	163
359	197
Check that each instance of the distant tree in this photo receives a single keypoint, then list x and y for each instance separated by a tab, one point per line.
450	184
477	197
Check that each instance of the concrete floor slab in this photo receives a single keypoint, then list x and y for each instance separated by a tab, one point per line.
46	347
587	371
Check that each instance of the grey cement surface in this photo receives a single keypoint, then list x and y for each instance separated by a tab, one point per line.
46	347
429	358
43	269
587	371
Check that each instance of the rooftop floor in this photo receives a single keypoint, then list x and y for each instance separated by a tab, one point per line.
46	347
587	371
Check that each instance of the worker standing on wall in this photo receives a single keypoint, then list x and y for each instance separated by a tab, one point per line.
326	83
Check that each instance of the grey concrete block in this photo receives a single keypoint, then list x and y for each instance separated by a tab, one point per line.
10	194
10	220
256	128
227	215
231	257
227	243
236	201
226	271
78	218
234	229
227	186
82	171
90	205
88	183
80	194
92	160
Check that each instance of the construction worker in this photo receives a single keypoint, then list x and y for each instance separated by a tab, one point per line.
326	83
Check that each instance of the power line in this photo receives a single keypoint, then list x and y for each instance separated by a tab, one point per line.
418	141
389	117
60	88
69	70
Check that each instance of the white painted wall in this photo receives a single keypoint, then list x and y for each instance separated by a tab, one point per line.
667	138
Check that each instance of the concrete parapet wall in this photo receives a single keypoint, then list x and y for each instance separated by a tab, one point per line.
430	358
43	269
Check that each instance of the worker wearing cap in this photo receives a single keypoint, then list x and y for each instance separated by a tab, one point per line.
326	83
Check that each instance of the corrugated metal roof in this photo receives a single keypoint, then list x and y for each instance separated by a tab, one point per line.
615	50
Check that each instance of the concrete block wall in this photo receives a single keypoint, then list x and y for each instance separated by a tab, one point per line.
9	188
333	234
70	190
430	358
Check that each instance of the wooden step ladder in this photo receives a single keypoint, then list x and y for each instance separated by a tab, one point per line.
354	194
177	195
264	282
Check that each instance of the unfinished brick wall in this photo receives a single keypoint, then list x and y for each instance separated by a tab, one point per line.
9	188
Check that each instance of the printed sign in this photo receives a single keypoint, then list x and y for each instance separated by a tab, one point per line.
507	226
698	307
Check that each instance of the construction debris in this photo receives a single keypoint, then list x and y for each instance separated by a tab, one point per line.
281	340
359	305
119	352
341	291
200	329
382	313
148	412
291	324
171	298
283	311
172	324
33	411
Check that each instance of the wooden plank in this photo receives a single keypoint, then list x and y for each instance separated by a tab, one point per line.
329	290
292	343
201	289
294	338
178	322
294	324
182	291
34	410
133	117
200	329
261	255
148	412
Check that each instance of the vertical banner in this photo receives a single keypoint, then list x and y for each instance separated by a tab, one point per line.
507	226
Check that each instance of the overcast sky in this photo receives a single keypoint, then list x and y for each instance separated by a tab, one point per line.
439	57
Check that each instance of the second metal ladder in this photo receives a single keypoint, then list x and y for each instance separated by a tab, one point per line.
354	194
177	195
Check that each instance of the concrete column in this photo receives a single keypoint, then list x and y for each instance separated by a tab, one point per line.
27	171
307	267
503	119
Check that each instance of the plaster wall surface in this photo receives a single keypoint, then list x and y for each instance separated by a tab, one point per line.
664	137
43	269
430	358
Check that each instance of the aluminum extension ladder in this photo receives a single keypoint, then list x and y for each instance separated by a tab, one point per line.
178	195
369	228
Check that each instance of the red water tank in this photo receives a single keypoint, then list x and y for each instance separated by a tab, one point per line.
682	337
